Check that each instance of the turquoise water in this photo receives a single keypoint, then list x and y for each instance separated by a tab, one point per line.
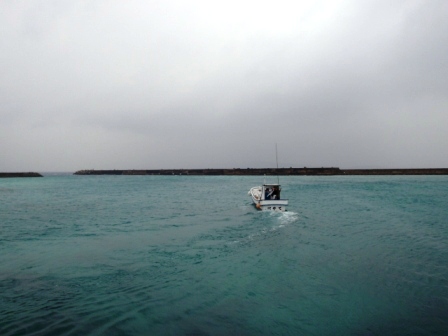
179	255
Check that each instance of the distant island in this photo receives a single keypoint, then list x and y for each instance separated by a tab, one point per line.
20	175
269	171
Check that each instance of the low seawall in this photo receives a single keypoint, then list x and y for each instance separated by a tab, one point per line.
270	171
422	171
20	175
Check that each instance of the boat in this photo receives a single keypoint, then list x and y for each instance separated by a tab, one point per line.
267	197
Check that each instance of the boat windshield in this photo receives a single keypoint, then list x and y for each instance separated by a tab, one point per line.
272	192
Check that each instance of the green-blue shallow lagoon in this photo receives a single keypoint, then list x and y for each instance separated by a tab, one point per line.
190	255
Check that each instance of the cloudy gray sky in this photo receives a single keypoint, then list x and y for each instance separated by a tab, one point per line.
215	84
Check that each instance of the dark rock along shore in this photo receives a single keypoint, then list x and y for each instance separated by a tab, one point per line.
30	174
270	171
250	171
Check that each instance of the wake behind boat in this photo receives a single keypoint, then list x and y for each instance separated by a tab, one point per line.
267	197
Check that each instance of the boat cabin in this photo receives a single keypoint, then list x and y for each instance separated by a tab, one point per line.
270	192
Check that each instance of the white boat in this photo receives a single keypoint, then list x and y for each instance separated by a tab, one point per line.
267	197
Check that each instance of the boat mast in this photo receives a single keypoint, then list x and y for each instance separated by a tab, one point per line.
276	159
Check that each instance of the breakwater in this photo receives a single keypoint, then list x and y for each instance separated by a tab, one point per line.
331	171
30	174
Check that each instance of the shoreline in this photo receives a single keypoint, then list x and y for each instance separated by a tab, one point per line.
331	171
12	175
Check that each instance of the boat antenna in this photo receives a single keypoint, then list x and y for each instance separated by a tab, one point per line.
276	159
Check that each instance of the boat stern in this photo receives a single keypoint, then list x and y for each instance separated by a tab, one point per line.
279	205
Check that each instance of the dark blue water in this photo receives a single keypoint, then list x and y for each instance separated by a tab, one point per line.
179	255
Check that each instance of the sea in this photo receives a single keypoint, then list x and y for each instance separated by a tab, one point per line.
190	255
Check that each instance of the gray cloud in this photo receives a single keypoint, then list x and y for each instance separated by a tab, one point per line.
216	84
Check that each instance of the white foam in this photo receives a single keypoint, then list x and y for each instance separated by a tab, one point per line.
286	218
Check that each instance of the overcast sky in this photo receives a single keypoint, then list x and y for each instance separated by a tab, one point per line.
215	84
